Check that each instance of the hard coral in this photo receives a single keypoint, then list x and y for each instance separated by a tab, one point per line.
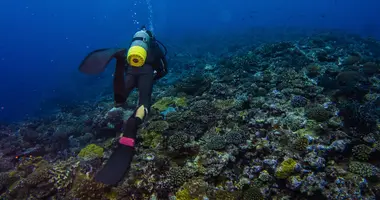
203	107
349	187
176	176
301	143
63	174
245	61
4	180
194	85
177	140
226	195
180	102
362	118
318	113
158	126
313	183
376	145
363	169
41	174
286	168
193	189
212	163
164	103
351	59
313	70
361	152
6	164
348	78
225	104
151	138
315	161
370	68
234	138
298	101
90	152
216	142
86	188
253	194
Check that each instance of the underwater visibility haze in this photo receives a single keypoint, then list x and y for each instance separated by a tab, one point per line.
146	99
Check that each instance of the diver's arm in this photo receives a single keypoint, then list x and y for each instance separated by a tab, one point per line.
164	64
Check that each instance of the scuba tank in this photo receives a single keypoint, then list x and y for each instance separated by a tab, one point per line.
138	49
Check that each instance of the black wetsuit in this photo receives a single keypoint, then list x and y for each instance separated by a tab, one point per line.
141	78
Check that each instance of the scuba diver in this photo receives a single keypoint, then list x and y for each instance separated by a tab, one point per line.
143	64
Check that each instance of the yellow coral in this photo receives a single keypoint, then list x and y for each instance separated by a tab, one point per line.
12	173
165	102
162	104
194	189
226	195
183	194
151	138
91	151
218	129
225	104
311	129
181	102
112	195
108	143
286	168
243	114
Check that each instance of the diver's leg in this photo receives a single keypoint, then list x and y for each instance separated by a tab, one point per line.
118	83
145	86
130	84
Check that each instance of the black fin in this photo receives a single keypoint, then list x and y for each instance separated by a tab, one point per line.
96	61
117	165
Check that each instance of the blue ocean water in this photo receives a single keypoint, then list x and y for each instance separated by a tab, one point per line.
262	100
42	42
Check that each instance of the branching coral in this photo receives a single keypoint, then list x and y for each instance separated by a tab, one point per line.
63	174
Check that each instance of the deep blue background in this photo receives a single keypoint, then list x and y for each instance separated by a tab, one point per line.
42	42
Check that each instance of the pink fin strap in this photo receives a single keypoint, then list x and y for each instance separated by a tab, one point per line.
127	141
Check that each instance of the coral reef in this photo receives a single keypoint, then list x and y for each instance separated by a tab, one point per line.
270	120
